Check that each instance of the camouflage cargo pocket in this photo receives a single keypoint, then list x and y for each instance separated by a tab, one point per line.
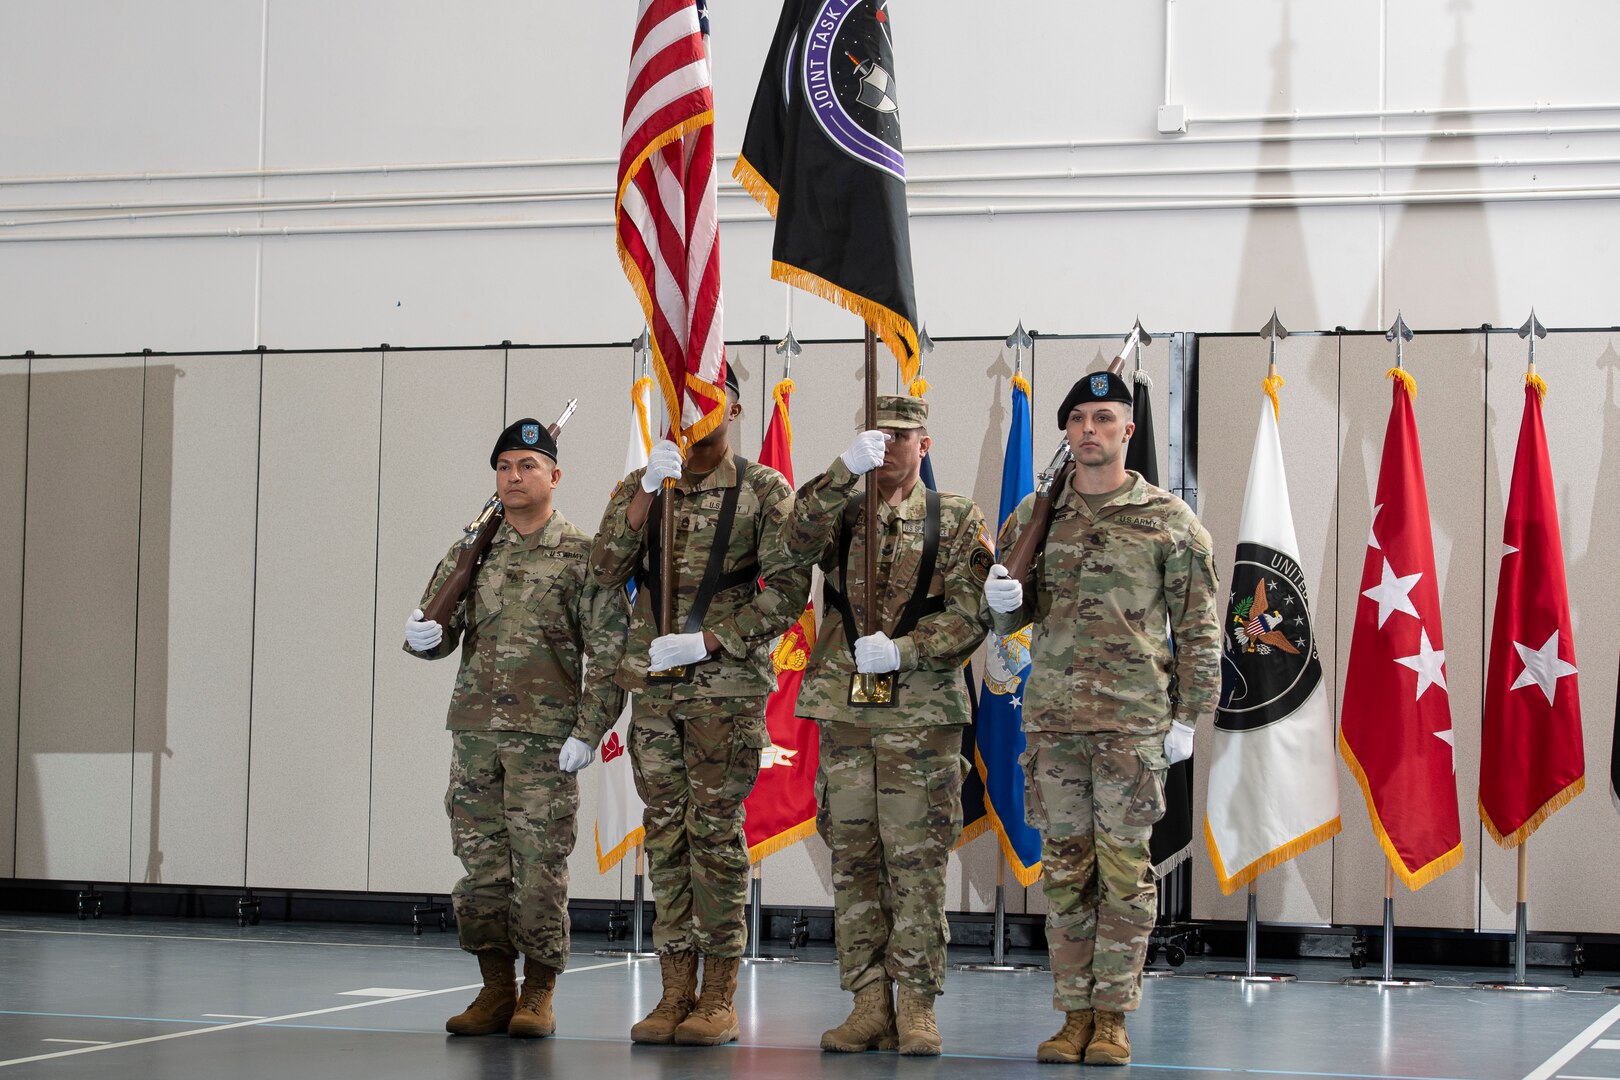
1146	805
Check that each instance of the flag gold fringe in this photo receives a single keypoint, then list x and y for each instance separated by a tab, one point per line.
1412	879
1536	381
643	421
1548	809
779	394
897	333
972	832
1297	846
1025	875
919	386
1270	385
1021	383
711	420
755	184
784	839
604	863
1405	378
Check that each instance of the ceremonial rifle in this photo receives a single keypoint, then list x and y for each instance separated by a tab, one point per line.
475	544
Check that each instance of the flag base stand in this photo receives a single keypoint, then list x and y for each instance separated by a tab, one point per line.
1388	979
998	947
1611	989
755	904
634	952
1521	933
1249	974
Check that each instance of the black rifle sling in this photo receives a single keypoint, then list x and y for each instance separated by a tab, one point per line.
714	580
920	604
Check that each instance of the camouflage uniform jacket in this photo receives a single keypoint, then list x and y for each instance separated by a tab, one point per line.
1100	595
746	618
931	688
525	630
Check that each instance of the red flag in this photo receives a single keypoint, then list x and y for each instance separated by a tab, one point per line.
781	810
1395	728
1532	760
667	227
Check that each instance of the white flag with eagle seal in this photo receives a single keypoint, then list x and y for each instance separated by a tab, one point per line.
1274	778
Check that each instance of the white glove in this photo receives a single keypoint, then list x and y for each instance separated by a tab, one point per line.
575	755
876	654
676	650
1001	592
422	636
663	463
865	453
1178	742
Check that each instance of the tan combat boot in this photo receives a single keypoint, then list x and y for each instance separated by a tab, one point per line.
870	1025
679	971
492	1008
918	1030
1069	1044
713	1021
534	1018
1109	1044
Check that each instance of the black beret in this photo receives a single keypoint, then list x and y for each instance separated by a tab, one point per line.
731	379
1098	386
526	434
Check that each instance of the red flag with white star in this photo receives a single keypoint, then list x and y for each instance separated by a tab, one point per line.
1532	760
1395	728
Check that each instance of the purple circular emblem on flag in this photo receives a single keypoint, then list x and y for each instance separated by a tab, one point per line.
849	85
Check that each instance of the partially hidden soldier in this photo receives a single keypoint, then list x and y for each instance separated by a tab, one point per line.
698	721
1125	657
889	793
536	637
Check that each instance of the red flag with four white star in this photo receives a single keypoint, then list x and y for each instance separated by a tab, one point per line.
1532	760
1395	728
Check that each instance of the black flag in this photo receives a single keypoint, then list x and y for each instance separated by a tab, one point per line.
822	153
1171	844
1614	756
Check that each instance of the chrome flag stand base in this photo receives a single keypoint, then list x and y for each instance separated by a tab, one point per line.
1388	979
998	937
1521	934
634	952
755	898
1249	974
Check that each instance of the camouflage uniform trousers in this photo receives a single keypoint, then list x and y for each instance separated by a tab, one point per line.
889	806
1095	798
695	761
512	817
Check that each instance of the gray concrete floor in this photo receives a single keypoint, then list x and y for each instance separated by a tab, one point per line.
177	999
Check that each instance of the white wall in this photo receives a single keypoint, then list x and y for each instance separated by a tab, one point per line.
188	86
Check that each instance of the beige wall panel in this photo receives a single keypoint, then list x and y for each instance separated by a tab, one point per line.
1450	372
13	486
314	621
441	413
193	668
78	648
1229	403
1573	885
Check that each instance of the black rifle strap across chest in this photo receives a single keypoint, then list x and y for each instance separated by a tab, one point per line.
920	604
715	580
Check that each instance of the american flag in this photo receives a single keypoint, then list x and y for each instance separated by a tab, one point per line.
668	229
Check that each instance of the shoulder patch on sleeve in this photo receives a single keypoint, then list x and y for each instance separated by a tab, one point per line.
980	562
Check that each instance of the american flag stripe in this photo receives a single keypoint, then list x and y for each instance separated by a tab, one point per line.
667	226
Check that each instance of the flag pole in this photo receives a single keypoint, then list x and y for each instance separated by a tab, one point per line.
998	930
756	896
1252	949
637	909
869	689
1388	978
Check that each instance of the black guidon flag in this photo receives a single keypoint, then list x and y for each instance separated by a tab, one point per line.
1171	843
822	153
1614	756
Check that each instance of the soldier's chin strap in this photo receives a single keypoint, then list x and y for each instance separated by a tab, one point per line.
714	580
920	605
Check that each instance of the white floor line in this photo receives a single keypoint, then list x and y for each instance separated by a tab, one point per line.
232	1016
87	1042
212	1028
230	940
1580	1042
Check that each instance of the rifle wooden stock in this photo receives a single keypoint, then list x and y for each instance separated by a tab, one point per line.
480	535
1040	520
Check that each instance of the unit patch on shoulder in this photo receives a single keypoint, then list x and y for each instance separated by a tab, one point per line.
980	563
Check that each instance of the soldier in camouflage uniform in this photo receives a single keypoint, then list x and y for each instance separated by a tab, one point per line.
695	744
889	792
1110	703
524	718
